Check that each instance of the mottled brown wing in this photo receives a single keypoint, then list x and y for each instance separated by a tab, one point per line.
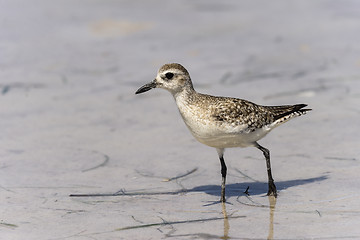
239	111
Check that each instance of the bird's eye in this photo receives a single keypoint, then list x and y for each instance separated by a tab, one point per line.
169	75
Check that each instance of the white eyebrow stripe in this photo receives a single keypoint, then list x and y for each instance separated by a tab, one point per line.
173	70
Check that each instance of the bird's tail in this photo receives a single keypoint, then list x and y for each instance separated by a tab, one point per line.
285	113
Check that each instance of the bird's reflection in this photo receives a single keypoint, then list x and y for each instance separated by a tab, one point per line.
226	222
272	204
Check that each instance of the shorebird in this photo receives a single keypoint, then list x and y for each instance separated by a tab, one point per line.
223	122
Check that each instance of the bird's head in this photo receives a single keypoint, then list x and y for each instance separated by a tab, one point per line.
172	77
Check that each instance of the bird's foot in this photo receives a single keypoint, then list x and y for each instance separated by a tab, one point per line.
272	189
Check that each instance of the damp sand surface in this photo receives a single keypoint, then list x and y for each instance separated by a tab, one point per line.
83	157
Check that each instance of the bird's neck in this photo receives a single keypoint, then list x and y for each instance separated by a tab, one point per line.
185	95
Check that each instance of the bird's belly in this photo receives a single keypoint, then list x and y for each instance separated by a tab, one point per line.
230	140
225	141
218	136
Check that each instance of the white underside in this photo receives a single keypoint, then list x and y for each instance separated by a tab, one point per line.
232	140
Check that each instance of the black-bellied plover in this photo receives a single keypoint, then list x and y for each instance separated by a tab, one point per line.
222	122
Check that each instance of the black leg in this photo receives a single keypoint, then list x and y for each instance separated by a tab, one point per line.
223	174
272	187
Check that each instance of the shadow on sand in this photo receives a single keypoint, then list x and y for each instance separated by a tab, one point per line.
255	188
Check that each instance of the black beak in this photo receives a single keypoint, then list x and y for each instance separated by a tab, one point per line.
146	87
